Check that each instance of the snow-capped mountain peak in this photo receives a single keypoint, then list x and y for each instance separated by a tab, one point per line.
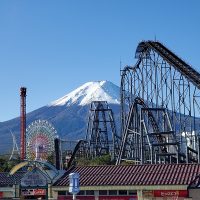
90	91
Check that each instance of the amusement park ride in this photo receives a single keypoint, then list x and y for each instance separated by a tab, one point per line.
160	112
160	108
40	136
160	121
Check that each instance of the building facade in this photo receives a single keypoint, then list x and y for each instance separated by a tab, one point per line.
131	182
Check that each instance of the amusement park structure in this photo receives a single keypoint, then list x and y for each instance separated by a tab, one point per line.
101	131
160	108
101	135
22	123
40	136
160	114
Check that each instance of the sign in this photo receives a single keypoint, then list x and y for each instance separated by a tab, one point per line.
39	192
33	178
74	183
170	193
33	192
147	193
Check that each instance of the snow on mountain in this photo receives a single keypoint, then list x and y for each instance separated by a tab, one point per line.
69	114
91	91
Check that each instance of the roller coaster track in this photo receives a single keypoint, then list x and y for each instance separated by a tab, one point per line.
185	69
159	137
101	135
101	131
157	134
164	82
76	149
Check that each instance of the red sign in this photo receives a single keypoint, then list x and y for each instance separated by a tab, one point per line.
170	193
32	192
39	192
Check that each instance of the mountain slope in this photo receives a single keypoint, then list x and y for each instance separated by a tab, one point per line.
91	91
68	114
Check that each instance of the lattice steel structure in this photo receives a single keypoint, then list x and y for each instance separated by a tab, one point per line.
160	108
101	135
101	131
81	150
15	150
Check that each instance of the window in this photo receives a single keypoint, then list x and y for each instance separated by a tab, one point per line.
112	192
102	192
61	192
122	192
89	192
81	192
132	192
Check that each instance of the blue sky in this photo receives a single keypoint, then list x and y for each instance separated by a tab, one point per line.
52	47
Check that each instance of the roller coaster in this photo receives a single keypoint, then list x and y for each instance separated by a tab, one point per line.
160	112
159	108
101	135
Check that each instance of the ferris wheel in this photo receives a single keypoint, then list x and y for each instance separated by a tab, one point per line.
40	136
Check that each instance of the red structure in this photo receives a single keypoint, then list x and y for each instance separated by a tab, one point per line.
22	122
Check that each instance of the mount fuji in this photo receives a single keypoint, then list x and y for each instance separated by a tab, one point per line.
68	114
91	91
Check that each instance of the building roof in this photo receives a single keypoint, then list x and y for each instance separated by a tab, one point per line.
118	175
9	180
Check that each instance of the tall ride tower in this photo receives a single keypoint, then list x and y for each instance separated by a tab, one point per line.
22	122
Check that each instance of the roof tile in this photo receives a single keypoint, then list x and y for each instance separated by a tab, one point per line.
157	174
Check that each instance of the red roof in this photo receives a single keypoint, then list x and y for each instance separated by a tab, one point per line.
157	174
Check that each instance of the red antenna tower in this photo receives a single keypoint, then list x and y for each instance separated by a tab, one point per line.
22	122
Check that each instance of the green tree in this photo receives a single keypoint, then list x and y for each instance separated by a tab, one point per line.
6	165
102	160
